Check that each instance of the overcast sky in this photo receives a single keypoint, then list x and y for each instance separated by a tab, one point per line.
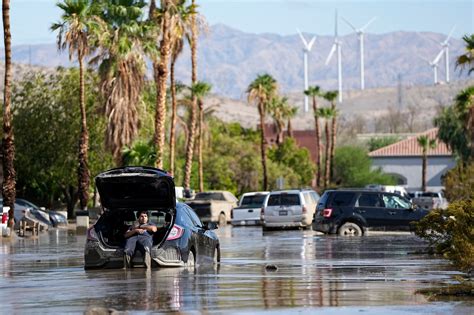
31	19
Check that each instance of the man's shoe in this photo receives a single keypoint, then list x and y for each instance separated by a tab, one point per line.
127	261
147	260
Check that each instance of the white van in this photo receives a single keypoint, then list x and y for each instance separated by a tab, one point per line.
289	208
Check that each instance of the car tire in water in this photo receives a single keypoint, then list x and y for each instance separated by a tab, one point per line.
191	262
222	219
350	229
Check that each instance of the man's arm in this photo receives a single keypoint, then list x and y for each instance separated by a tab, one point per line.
149	227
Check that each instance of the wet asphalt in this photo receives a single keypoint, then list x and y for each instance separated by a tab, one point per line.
281	272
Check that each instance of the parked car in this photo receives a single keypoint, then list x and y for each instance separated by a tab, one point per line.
289	209
181	239
248	210
430	200
35	214
351	212
56	218
213	206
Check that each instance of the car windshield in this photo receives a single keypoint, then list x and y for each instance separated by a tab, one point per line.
254	201
430	194
209	196
284	200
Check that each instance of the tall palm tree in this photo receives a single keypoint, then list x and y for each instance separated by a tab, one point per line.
331	96
123	37
466	60
425	143
8	146
200	90
315	91
192	128
290	113
326	113
464	104
73	33
276	108
261	91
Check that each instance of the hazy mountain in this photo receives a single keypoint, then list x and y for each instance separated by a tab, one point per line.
230	59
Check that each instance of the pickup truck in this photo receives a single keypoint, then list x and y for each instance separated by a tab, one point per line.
430	200
213	206
249	209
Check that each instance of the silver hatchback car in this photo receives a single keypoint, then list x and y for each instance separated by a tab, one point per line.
289	209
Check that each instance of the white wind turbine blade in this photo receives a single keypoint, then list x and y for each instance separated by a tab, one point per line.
303	39
349	23
310	45
438	57
368	23
331	53
449	36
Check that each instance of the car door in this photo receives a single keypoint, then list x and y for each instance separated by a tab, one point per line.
399	211
205	242
369	205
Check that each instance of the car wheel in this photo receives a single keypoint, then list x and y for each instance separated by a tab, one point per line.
222	219
191	260
350	229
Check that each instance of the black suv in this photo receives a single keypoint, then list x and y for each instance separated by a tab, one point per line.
351	212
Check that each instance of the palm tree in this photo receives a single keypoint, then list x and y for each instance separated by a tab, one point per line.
141	153
315	91
261	91
73	33
123	38
290	113
464	104
425	143
327	114
467	60
331	96
8	146
276	107
192	128
200	90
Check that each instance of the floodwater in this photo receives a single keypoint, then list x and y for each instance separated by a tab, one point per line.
314	273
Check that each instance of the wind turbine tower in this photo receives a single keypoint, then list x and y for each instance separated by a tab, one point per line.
336	46
360	33
306	49
445	50
434	64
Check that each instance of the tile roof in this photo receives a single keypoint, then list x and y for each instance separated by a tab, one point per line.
410	147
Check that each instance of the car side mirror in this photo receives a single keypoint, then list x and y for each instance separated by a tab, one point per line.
210	226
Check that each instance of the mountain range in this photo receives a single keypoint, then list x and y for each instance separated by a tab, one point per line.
230	59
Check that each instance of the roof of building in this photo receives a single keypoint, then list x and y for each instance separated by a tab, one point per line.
410	147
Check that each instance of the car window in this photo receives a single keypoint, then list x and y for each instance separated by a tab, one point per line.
284	200
193	216
210	196
254	201
429	194
342	199
396	202
369	200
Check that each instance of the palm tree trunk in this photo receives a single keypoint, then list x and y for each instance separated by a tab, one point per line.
318	143
423	171
263	146
471	124
162	75
173	115
333	141
8	146
192	129
83	169
199	146
289	129
327	164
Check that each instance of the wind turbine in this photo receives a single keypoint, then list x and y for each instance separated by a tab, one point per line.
360	33
445	50
336	46
434	64
306	50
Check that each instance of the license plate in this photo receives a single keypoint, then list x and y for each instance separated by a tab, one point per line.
283	212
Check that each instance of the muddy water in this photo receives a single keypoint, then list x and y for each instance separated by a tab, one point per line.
277	272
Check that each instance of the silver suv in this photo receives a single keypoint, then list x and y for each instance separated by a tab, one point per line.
289	208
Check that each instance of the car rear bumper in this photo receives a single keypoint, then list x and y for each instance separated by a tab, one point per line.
324	227
98	256
238	222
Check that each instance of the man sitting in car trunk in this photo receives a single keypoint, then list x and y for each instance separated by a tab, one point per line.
139	236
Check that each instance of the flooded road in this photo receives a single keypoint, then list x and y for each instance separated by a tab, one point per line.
314	273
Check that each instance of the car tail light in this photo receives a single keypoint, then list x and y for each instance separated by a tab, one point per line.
4	218
175	233
304	210
92	234
327	213
262	211
232	213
